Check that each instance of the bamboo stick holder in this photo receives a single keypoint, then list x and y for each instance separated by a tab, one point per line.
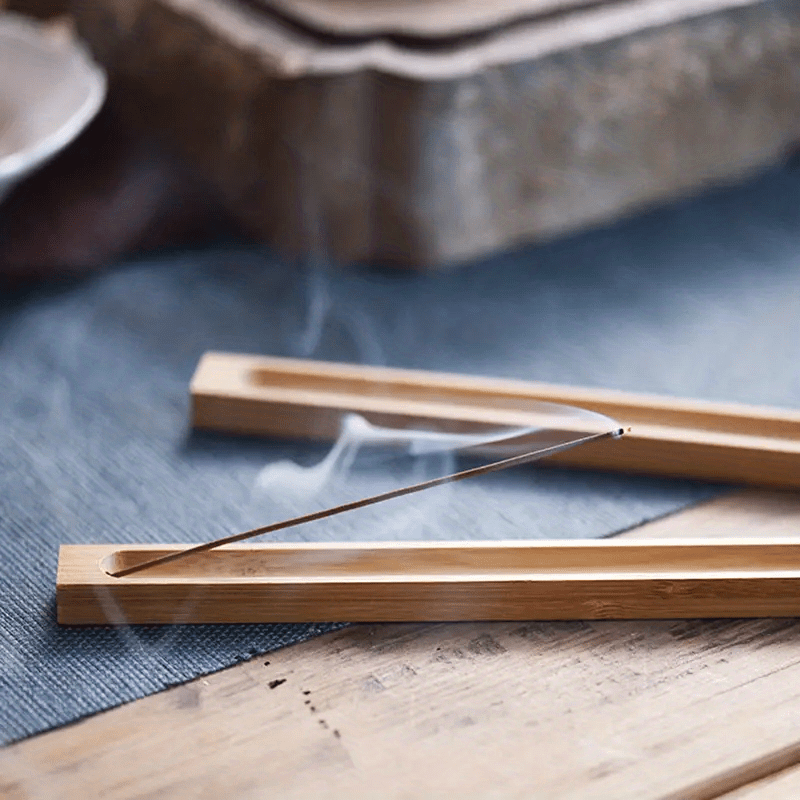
424	581
293	398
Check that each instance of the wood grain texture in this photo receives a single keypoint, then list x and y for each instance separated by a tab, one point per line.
426	582
669	436
602	710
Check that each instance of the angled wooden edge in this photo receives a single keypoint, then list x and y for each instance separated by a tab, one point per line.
677	437
426	581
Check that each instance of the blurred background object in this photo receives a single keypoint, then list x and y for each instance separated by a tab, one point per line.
406	134
424	144
41	9
49	90
112	191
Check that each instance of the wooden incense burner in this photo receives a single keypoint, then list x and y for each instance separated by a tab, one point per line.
670	436
426	581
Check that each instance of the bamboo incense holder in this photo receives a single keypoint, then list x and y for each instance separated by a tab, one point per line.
425	581
294	398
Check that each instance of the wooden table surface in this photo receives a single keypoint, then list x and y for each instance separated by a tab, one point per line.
664	709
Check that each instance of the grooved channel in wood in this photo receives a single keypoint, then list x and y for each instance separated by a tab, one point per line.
409	581
726	442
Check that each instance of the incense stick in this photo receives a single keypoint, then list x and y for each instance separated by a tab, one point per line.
474	472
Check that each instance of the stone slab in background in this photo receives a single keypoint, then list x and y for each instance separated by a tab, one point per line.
425	152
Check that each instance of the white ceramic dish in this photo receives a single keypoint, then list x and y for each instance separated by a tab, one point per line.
49	91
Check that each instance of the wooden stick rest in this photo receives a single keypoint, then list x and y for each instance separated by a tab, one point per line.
724	442
432	581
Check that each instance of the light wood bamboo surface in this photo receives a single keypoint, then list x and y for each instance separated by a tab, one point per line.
293	398
431	581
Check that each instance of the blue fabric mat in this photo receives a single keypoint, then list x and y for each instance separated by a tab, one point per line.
699	299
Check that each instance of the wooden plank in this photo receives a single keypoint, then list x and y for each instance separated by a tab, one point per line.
603	710
427	581
669	436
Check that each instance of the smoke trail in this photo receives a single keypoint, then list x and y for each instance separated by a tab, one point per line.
290	481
